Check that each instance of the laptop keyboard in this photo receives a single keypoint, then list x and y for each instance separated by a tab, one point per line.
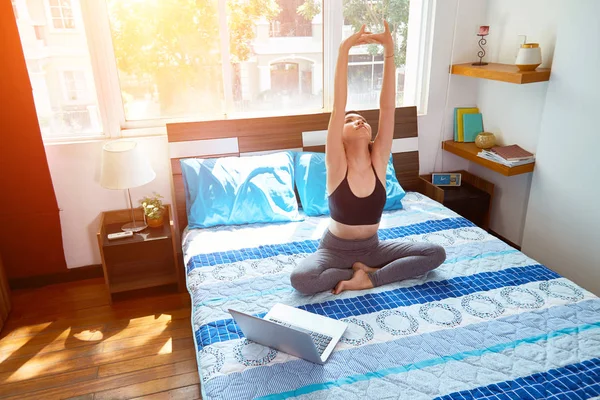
321	341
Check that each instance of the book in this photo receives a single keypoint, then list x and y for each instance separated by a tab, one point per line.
512	153
491	156
472	126
459	126
455	126
456	122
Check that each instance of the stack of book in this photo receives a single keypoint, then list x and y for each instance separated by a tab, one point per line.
468	123
511	156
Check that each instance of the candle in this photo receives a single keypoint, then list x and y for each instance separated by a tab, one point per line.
484	30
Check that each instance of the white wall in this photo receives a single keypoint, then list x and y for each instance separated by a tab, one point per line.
437	124
75	167
75	171
563	217
513	112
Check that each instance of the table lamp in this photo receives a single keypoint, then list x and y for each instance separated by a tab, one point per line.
125	166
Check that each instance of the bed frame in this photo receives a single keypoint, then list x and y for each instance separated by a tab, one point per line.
240	137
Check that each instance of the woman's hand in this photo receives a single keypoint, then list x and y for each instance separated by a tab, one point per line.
385	39
355	40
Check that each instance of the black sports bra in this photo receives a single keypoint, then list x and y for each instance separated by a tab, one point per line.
348	209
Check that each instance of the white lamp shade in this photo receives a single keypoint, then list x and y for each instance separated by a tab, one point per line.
124	165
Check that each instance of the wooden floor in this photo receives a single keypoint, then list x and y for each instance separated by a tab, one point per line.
66	342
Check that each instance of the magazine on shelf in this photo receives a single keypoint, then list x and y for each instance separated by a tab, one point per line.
513	152
491	156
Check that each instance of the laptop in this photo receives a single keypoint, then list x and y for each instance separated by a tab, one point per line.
293	331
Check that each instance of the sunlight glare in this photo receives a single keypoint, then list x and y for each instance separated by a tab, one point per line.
33	367
167	348
150	318
28	330
89	335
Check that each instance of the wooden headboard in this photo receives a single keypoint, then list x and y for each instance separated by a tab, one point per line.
239	137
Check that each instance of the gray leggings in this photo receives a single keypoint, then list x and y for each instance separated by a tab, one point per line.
333	261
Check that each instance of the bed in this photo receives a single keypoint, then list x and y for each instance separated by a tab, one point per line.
489	323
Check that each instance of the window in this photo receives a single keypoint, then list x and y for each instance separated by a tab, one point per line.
210	64
365	69
40	33
168	57
151	62
61	13
74	86
60	71
274	71
289	21
365	76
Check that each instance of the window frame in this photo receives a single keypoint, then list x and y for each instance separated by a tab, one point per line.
50	18
96	26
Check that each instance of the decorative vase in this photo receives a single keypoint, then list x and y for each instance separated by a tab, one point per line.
485	140
529	57
155	222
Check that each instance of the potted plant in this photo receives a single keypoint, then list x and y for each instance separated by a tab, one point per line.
153	210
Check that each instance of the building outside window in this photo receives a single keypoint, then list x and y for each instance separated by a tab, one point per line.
74	86
61	12
160	61
60	69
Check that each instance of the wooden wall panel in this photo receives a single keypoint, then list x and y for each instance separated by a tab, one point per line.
248	144
180	132
179	198
405	130
407	169
405	125
175	166
315	149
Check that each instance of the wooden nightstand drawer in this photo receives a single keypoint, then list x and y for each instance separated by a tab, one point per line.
148	259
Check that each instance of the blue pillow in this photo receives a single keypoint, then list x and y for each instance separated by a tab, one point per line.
311	182
239	190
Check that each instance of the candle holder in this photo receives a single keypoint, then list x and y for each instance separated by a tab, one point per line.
483	32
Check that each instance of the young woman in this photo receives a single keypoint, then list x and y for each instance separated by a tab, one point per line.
350	255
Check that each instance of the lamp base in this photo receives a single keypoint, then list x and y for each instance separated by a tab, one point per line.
135	226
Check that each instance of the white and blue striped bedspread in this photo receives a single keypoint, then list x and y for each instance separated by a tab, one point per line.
490	323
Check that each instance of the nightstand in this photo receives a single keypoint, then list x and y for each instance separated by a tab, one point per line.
472	200
146	260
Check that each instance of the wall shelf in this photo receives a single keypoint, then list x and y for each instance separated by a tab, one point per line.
502	72
469	151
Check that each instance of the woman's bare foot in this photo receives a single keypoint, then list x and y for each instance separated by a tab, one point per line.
359	281
358	265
